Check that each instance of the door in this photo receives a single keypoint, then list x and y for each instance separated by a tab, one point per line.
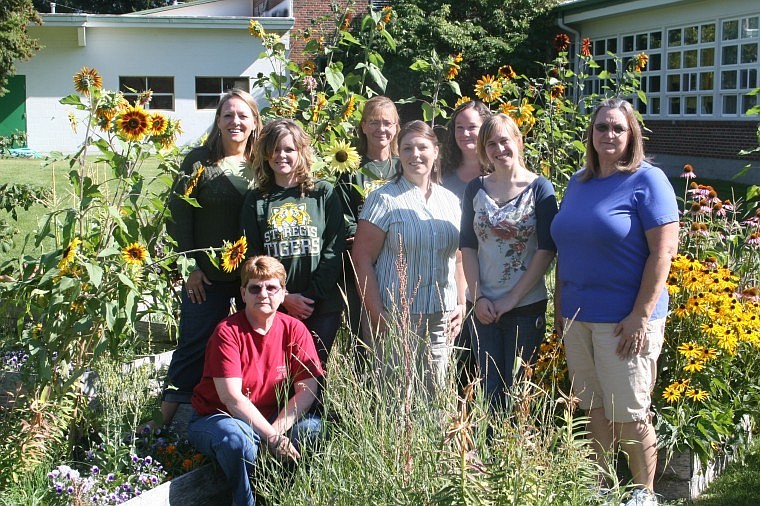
13	107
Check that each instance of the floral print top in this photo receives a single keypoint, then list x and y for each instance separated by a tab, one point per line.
507	235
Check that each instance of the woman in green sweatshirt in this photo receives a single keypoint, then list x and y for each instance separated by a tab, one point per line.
297	219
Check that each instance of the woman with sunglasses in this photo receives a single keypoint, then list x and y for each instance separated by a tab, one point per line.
253	359
298	220
616	233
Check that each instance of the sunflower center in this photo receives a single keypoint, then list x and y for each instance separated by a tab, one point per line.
133	122
341	156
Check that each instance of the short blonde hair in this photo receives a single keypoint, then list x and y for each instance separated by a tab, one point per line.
262	267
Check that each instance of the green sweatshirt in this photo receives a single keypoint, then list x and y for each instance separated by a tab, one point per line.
372	174
305	233
219	191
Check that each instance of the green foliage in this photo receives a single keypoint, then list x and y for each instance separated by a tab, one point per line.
15	43
17	138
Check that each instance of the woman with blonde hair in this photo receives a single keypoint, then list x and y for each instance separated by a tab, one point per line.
298	220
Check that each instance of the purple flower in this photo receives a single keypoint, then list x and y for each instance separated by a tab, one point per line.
58	486
70	490
95	470
110	477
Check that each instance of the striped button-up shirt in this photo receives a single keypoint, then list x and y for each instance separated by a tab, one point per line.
419	252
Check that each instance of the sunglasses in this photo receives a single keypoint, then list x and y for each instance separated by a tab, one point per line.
257	289
603	128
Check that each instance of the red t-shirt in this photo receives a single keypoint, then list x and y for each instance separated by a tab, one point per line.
269	364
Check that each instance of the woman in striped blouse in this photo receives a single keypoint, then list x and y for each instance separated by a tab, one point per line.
407	259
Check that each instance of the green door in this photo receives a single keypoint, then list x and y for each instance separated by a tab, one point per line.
13	107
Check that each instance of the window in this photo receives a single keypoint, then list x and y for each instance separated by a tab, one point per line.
208	90
162	89
699	69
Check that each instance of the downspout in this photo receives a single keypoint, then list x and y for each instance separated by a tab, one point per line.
576	36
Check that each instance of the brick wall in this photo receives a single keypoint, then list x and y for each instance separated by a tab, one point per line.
307	10
713	139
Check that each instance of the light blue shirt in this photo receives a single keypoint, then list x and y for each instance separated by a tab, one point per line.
419	252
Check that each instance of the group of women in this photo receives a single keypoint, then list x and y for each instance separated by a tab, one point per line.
465	258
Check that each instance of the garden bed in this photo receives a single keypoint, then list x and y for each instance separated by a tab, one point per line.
200	487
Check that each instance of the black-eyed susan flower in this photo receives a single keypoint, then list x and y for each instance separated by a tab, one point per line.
342	156
690	349
672	393
697	394
707	354
134	253
87	78
694	365
488	88
69	253
233	254
133	123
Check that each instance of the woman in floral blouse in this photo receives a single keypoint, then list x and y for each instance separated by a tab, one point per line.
506	249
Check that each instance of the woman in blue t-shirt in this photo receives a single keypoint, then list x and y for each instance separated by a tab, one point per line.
616	233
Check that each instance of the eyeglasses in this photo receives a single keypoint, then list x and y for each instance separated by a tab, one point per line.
378	124
603	128
257	289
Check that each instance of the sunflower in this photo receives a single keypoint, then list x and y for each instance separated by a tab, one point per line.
85	79
488	88
135	253
346	21
133	123
509	109
507	72
557	91
586	47
308	67
462	100
387	14
194	181
158	124
233	254
69	253
256	30
561	42
342	157
350	107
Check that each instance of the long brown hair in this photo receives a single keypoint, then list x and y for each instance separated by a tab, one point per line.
634	152
451	155
214	140
270	136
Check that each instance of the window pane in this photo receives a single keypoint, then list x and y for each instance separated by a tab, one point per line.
674	60
136	83
731	30
628	43
690	35
674	83
708	33
655	61
654	84
642	42
162	102
729	104
706	80
207	85
674	37
675	105
599	48
728	80
707	56
206	101
750	28
612	45
690	58
161	84
749	53
748	78
748	102
690	82
730	55
240	83
707	104
654	106
655	40
691	105
611	66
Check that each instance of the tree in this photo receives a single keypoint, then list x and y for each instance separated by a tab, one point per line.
101	6
15	43
488	34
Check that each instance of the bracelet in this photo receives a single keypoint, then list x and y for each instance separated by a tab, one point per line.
478	298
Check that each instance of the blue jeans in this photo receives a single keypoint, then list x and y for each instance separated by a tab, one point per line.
498	344
235	445
196	324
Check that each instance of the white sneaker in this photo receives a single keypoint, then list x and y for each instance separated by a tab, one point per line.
642	497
